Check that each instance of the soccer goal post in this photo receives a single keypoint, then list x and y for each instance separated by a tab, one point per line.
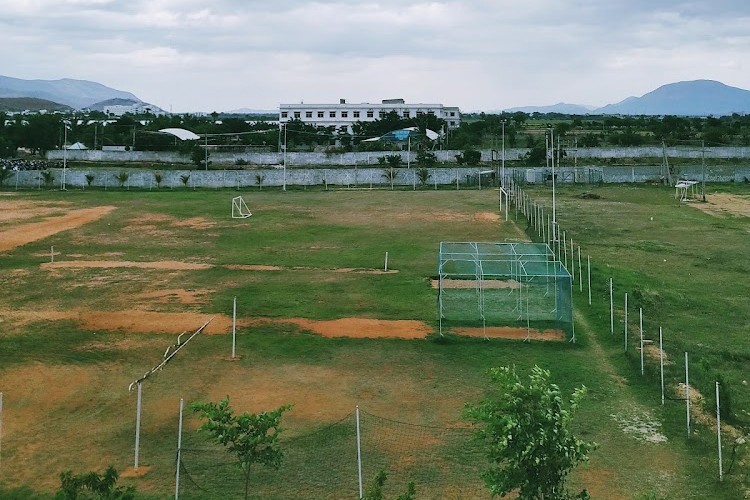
239	208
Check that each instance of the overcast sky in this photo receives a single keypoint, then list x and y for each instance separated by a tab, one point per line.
220	55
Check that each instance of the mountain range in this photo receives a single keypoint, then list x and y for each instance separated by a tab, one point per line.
689	98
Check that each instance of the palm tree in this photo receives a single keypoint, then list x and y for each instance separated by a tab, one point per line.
390	174
158	178
89	179
259	178
185	179
423	174
4	175
48	178
122	178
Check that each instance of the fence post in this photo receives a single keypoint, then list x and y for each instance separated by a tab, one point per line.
588	264
687	395
137	426
611	308
359	454
718	432
179	453
661	363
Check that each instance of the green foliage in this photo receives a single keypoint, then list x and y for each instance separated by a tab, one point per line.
252	438
5	174
259	178
91	485
89	179
423	175
200	157
376	489
526	428
122	178
185	178
390	175
426	158
394	161
48	178
469	157
158	177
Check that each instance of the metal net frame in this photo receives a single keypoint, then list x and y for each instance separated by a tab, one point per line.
483	284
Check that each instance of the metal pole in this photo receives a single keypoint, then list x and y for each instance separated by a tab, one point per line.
718	432
234	326
580	280
1	430
179	455
385	268
661	363
588	265
285	147
565	249
626	322
611	308
52	253
502	176
687	395
703	169
359	454
640	313
137	426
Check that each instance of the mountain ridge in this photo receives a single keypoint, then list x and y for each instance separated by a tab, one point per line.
77	94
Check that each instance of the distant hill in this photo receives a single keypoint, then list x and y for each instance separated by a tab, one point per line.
561	107
16	104
99	106
74	93
250	111
691	98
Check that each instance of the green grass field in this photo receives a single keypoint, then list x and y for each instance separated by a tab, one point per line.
64	374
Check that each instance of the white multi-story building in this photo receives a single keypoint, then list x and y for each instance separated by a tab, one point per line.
347	114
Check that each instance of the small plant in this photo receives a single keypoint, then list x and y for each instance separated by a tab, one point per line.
185	179
393	160
48	178
423	175
259	178
93	485
122	178
89	179
375	492
159	178
240	162
390	174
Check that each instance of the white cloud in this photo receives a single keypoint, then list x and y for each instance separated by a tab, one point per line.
484	54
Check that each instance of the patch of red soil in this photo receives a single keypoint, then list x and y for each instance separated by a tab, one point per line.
504	332
176	295
473	284
166	264
365	328
27	233
254	267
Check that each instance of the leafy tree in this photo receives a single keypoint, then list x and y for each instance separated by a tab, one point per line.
4	175
469	157
89	179
528	436
93	485
252	438
48	178
158	177
259	178
375	492
390	174
199	156
426	158
393	160
185	179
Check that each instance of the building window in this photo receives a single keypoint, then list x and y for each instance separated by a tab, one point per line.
320	114
356	114
284	114
344	114
308	114
452	123
332	114
419	113
453	113
369	114
407	114
296	115
381	114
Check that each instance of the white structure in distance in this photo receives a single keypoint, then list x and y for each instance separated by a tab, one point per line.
239	208
347	114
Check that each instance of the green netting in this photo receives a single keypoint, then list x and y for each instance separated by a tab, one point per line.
503	284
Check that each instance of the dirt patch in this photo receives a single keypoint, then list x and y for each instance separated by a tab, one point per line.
254	267
86	264
504	332
365	328
360	270
141	471
356	270
176	295
13	210
473	284
487	217
724	203
641	425
195	223
27	233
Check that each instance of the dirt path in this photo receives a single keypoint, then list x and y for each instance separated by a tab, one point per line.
724	203
27	233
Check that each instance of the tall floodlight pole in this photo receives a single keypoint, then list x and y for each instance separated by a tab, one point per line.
502	158
408	153
703	170
554	204
285	146
65	153
205	152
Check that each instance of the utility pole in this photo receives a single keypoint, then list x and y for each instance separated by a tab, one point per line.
502	160
703	169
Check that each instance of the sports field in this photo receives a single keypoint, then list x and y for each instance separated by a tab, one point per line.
96	285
